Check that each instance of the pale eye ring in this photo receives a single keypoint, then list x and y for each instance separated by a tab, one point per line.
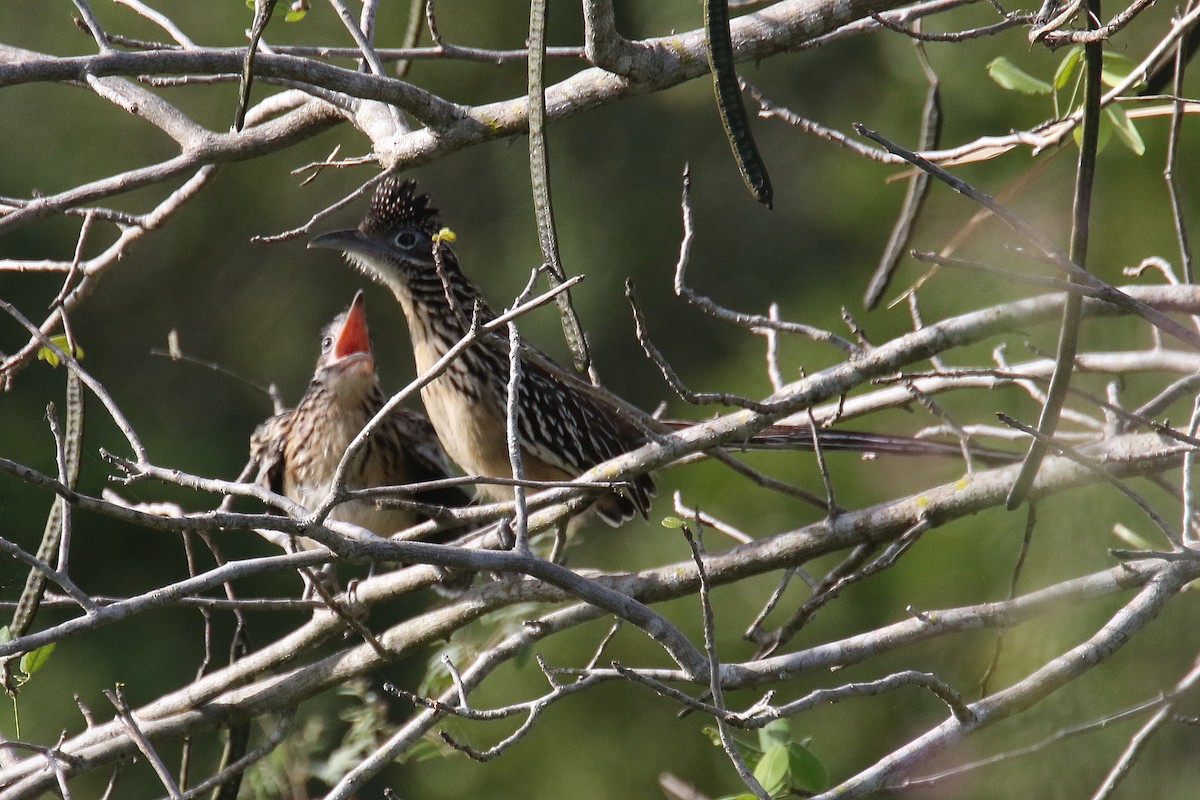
406	240
326	344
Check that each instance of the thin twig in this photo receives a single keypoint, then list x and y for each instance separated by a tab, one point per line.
1014	580
1079	458
714	671
1068	338
512	409
117	697
918	184
1172	161
1110	294
749	321
1139	740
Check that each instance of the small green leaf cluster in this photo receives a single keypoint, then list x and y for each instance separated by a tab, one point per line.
50	357
295	12
28	664
32	661
1070	74
316	751
781	763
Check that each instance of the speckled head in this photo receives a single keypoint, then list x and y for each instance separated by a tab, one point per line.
346	344
395	206
395	238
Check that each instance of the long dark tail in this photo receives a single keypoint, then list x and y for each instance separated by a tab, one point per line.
799	437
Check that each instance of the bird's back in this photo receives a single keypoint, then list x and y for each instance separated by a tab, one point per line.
298	452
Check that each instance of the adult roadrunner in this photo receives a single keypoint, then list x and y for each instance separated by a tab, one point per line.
564	428
298	451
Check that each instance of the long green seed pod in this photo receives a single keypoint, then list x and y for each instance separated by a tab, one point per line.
729	101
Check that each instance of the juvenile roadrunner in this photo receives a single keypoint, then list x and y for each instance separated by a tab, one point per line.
298	450
564	429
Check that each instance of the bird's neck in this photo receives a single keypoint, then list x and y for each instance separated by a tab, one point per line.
439	309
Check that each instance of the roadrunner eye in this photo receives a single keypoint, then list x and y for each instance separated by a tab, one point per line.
406	240
326	344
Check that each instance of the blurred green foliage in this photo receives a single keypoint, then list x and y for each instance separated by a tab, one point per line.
616	172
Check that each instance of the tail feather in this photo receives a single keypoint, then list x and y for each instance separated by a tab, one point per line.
800	437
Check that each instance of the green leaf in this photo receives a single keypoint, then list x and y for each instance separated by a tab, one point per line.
1015	79
673	522
51	357
806	770
1102	139
32	661
751	749
775	732
523	654
1115	68
422	750
1126	131
1068	66
5	635
772	771
296	12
